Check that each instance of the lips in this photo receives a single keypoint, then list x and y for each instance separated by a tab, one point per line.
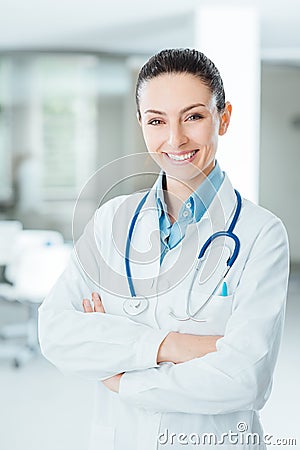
182	157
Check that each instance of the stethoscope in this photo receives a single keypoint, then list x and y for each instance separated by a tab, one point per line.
138	304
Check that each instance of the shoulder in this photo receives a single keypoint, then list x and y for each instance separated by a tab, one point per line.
118	207
259	214
262	223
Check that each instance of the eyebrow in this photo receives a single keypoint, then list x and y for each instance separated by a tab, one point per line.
187	108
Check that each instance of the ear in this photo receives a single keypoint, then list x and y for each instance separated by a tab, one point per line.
138	116
225	118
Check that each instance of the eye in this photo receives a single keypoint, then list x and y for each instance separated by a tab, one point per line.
154	122
195	117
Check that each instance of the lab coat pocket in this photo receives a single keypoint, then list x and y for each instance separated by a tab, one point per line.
212	317
102	437
218	311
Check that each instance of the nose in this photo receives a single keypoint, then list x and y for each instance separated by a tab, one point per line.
177	136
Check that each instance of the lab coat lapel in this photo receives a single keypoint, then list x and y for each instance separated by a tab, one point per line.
218	215
216	218
221	208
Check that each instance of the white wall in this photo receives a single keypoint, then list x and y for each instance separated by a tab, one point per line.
280	148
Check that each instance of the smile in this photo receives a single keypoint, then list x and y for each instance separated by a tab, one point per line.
184	157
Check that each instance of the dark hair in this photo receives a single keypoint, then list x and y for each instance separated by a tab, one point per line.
182	60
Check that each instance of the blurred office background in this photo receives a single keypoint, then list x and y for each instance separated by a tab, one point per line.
67	76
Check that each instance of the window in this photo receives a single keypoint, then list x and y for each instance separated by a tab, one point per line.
61	118
69	122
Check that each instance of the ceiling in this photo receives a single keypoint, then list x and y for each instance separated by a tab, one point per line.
134	26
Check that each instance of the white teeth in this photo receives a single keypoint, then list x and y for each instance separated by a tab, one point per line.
182	157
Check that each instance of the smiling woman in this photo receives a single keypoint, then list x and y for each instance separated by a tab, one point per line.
182	337
179	130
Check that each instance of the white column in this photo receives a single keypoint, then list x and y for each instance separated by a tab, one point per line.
229	36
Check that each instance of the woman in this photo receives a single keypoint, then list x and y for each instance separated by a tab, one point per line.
177	353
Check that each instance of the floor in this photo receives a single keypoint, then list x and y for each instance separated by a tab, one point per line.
41	409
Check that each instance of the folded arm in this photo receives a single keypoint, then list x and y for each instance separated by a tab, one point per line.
93	345
175	347
239	374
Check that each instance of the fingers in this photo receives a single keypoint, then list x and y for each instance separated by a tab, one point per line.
87	306
98	306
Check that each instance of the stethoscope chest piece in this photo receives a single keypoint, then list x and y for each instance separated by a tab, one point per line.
136	305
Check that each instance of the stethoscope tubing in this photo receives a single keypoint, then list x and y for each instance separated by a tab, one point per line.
226	233
128	242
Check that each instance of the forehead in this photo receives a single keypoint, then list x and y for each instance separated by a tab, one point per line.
170	91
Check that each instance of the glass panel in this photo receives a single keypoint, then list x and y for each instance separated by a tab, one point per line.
59	125
62	81
5	122
65	112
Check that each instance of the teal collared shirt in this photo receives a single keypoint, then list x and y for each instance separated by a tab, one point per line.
191	210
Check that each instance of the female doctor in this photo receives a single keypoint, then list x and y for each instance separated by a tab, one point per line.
188	284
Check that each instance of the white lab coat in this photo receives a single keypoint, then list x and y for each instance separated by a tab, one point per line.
211	394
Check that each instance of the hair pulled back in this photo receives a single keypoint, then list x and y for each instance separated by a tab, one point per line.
178	60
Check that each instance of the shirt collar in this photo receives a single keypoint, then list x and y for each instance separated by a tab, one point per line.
199	200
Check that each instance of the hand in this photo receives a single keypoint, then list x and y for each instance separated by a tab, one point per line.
111	383
179	348
98	307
